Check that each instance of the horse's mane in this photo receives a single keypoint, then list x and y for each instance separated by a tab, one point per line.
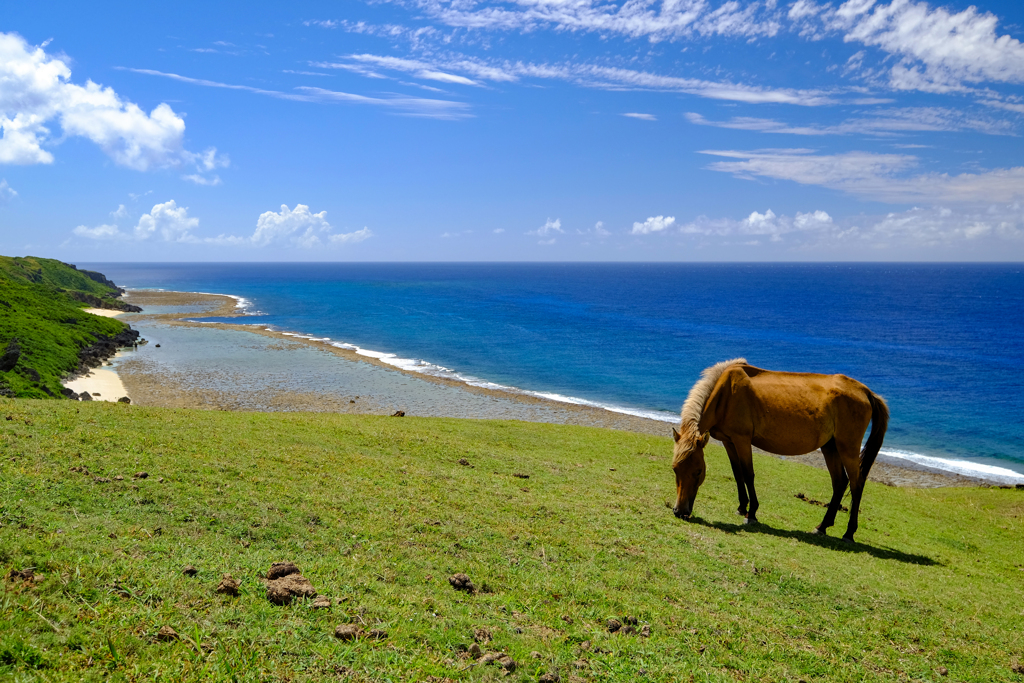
698	397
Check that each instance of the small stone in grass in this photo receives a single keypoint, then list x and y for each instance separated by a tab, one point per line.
167	634
228	586
461	582
632	621
141	475
322	602
613	625
942	671
645	631
347	632
189	570
474	650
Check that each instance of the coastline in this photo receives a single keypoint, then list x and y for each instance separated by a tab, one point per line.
149	386
103	383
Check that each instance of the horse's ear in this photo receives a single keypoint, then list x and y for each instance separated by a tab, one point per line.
676	435
704	439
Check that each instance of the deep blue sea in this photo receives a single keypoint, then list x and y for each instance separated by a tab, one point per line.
943	343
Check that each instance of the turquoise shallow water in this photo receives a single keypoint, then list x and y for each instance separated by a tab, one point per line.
944	343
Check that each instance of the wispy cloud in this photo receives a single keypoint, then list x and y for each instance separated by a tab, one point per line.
642	117
881	122
411	106
882	177
583	74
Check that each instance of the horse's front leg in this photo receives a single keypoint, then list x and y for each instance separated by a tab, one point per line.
737	473
745	459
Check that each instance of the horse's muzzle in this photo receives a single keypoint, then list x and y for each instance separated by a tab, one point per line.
679	512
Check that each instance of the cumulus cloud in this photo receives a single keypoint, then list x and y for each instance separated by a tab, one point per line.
299	227
652	225
169	221
546	232
882	177
37	93
272	225
7	192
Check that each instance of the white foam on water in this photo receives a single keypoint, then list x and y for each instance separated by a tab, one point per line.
967	468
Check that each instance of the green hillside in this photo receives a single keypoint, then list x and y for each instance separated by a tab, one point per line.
43	328
559	528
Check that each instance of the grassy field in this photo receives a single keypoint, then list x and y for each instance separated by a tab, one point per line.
378	513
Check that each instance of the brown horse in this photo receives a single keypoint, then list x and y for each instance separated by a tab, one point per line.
788	413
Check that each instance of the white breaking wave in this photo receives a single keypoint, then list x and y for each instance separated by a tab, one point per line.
967	468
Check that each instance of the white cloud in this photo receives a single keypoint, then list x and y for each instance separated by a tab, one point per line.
876	176
416	68
7	192
599	229
120	213
882	122
36	92
271	226
353	237
655	21
549	227
808	221
652	225
498	231
100	232
171	221
938	50
585	75
642	117
202	180
299	227
409	106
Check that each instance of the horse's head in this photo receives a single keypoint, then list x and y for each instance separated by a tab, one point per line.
688	463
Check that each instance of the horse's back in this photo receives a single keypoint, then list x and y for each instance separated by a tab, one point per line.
798	408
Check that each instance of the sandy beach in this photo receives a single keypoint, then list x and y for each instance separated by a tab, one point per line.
151	382
105	312
103	384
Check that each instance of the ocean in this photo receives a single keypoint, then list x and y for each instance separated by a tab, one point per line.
943	343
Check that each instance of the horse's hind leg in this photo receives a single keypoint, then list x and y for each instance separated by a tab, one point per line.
850	456
737	473
839	482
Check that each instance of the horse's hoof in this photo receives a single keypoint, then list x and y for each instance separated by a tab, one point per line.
749	520
819	532
848	539
741	513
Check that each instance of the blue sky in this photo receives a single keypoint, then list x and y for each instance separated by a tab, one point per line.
518	130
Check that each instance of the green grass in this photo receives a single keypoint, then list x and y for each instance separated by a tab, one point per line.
378	513
37	308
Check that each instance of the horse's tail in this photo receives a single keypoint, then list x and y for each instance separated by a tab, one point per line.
879	423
